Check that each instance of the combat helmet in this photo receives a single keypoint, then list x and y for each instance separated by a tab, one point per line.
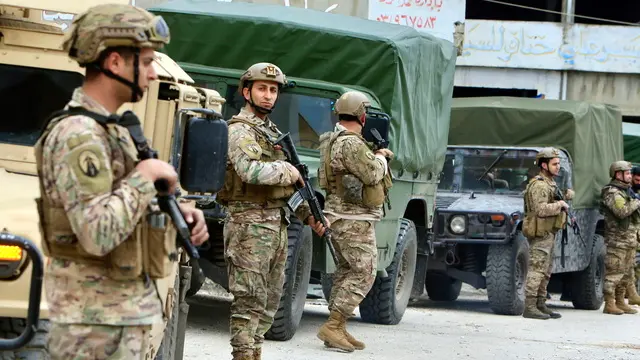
547	153
114	25
618	166
352	103
262	71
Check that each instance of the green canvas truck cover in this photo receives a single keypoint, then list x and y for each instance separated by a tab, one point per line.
631	137
410	72
591	133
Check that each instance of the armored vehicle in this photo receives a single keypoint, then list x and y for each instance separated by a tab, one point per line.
38	78
408	76
478	240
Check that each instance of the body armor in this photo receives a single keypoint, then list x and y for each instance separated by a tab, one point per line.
535	226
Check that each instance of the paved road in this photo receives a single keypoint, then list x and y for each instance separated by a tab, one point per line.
464	329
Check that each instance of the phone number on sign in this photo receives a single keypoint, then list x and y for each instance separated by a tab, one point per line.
415	21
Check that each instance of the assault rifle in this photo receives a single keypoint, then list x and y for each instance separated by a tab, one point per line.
167	202
574	225
305	192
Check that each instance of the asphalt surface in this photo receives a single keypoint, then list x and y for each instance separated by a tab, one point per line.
464	329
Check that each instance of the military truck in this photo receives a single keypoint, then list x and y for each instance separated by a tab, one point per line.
37	79
408	76
478	238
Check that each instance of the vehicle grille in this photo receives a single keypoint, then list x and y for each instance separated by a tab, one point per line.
443	202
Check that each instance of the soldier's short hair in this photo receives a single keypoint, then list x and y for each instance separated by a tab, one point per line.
635	170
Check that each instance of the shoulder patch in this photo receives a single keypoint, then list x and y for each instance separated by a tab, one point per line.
365	154
251	148
88	164
619	201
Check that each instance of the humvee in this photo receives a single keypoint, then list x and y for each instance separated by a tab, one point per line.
478	239
408	76
37	79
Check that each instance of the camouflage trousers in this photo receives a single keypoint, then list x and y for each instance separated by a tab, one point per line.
619	266
355	244
256	253
97	342
540	265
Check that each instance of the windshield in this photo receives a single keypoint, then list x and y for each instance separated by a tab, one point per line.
28	96
305	117
510	174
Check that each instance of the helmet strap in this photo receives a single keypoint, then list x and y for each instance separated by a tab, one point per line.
136	90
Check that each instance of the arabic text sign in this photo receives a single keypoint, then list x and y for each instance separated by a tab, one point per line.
539	46
434	16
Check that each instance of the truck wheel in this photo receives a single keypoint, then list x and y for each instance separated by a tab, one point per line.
441	287
507	267
34	350
388	298
588	284
296	283
169	342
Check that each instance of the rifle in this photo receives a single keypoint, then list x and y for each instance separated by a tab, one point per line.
305	192
378	141
574	225
167	202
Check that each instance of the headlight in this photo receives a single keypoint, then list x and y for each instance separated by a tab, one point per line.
458	224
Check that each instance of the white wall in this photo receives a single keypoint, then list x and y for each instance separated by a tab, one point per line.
545	81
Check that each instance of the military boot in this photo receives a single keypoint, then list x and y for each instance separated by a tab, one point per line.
632	294
531	311
358	345
610	306
621	304
542	306
242	355
332	335
257	353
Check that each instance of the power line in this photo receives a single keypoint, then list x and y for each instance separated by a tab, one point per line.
562	13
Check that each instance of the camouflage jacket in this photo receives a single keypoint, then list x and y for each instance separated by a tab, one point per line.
620	216
104	202
350	155
252	170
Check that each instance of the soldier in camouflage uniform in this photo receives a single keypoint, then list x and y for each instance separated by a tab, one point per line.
355	180
544	216
621	221
95	196
632	291
257	186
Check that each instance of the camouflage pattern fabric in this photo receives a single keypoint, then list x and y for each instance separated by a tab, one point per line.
86	171
355	244
97	342
351	157
255	238
619	264
256	253
539	202
540	265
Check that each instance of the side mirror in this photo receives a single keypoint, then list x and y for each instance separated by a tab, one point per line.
376	129
202	159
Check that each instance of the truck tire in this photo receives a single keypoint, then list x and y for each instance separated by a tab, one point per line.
441	287
296	283
588	284
35	350
507	267
387	300
167	349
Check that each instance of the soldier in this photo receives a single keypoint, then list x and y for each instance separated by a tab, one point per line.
544	216
95	196
632	293
257	186
355	180
621	221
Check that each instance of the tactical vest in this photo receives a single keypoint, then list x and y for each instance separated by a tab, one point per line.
534	226
370	196
623	224
149	250
267	196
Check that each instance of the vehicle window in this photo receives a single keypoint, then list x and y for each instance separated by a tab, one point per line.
463	169
28	96
305	117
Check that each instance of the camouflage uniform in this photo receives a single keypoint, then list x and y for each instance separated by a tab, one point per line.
258	183
352	177
543	219
92	200
621	231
